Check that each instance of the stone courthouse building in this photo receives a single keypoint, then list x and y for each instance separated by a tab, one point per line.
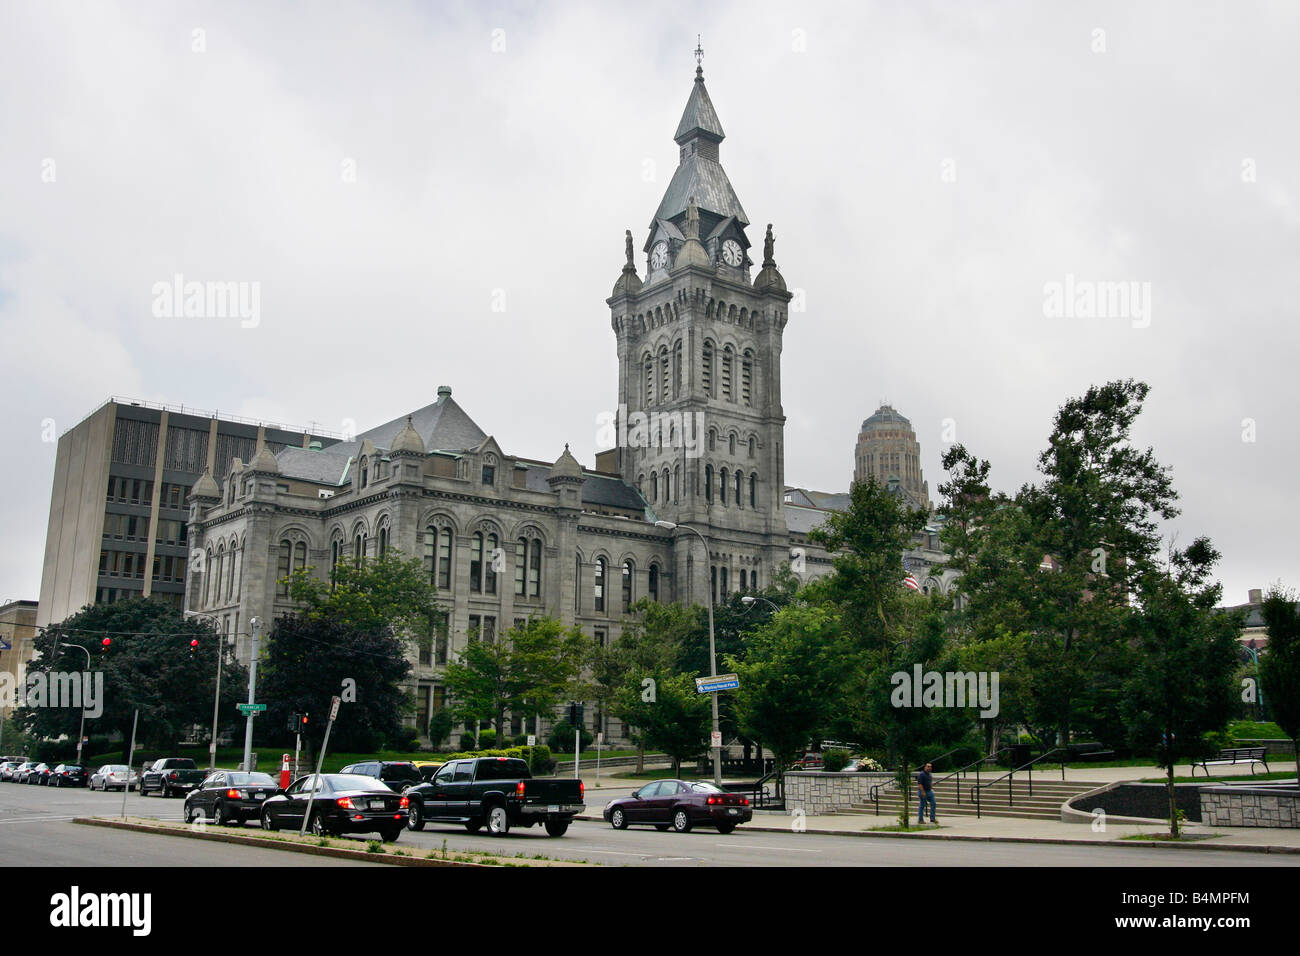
698	441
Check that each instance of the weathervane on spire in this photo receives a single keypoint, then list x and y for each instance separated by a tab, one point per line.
699	56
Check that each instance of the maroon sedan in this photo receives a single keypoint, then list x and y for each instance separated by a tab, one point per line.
680	804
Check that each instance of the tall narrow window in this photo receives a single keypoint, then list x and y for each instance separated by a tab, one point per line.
652	584
738	480
708	483
713	584
654	486
747	378
476	564
627	586
230	572
751	446
358	549
668	487
282	570
725	374
731	445
722	488
677	480
521	565
649	380
722	579
753	491
489	569
444	560
677	369
665	375
535	569
598	590
383	541
706	378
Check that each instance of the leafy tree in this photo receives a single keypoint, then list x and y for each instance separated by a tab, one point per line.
148	666
1280	664
678	720
791	680
533	669
388	591
440	725
1182	688
310	659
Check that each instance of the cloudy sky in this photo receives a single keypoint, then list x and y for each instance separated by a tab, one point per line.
435	193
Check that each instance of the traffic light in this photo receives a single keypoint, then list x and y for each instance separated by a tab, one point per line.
194	647
298	724
575	715
105	644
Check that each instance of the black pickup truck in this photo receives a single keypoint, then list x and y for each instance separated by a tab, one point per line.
169	775
496	792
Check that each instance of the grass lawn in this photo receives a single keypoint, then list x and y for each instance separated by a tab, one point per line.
659	773
1182	837
910	828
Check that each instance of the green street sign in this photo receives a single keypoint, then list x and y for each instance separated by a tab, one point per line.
250	708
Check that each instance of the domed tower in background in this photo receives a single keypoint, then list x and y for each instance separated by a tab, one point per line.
887	448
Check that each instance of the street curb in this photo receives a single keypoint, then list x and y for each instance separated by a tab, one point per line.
337	852
1058	841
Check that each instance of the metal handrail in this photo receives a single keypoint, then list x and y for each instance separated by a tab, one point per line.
876	787
976	764
1010	777
760	796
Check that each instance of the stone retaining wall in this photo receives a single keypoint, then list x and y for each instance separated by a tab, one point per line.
818	792
1250	807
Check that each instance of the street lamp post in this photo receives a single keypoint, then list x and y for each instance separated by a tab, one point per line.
81	731
713	655
255	626
216	700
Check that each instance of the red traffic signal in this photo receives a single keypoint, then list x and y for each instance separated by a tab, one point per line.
194	646
105	644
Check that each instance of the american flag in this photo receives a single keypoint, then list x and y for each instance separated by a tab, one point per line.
910	583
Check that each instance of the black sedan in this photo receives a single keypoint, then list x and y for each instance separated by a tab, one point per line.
680	804
69	775
343	803
38	775
229	797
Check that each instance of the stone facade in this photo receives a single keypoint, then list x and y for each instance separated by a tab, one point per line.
818	792
1250	807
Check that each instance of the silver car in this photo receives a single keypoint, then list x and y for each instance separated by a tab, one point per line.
114	776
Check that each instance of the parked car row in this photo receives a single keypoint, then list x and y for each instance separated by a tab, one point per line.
42	774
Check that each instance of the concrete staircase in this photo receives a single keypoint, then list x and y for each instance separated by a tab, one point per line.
1043	804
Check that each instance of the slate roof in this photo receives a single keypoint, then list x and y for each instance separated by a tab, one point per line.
606	490
708	183
444	426
699	115
327	466
800	520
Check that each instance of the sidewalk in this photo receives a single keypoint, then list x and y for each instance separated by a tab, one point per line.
1257	839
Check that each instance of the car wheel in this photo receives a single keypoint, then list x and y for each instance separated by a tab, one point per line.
618	819
390	835
166	792
268	823
498	822
725	828
219	816
415	816
682	820
473	826
556	828
318	827
661	827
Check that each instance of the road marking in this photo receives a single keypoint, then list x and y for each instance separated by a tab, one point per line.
47	819
766	846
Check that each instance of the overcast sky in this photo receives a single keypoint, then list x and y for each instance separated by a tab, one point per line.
388	172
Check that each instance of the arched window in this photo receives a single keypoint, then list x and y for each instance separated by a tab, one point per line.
742	578
365	471
358	549
713	584
654	486
739	487
665	374
283	569
706	378
336	550
221	563
751	446
677	369
677	480
753	490
640	483
476	564
299	556
713	439
521	566
747	377
731	445
722	578
753	577
708	483
577	584
598	590
722	487
668	486
653	583
725	374
230	572
649	366
437	556
627	586
383	541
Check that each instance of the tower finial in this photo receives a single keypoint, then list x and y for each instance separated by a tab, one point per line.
699	57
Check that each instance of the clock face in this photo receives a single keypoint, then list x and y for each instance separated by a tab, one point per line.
659	255
732	254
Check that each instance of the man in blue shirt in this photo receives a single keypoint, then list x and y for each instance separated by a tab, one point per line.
924	794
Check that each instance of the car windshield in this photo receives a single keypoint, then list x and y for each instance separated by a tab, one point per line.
400	771
249	779
115	768
706	788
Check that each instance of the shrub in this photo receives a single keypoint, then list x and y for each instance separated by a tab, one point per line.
560	738
466	741
440	725
835	760
521	740
487	739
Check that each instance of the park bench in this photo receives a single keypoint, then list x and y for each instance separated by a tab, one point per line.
1234	755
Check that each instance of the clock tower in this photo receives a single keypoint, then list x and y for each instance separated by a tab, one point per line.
701	429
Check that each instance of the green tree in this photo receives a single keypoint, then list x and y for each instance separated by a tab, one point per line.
440	725
677	721
791	680
148	666
1181	689
1280	664
308	660
388	591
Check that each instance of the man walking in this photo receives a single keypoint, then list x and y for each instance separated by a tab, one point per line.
924	793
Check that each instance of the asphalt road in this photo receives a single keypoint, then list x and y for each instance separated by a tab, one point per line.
35	829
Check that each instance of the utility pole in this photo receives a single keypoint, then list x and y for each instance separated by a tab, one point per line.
256	625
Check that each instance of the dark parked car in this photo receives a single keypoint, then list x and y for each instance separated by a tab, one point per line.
496	792
397	775
230	797
39	774
344	803
169	775
69	775
680	804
